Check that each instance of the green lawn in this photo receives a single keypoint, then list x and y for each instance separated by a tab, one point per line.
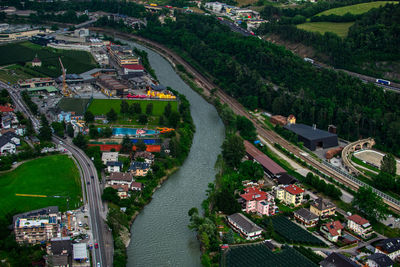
355	9
24	52
341	29
102	106
51	175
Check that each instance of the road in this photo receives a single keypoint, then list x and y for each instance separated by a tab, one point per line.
269	135
89	178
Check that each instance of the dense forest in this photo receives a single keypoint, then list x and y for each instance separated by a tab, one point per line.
373	37
245	67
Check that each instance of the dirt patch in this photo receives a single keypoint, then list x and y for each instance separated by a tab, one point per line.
374	158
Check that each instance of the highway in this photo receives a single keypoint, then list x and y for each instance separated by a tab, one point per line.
237	108
89	180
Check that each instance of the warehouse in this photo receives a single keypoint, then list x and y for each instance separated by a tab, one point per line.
312	137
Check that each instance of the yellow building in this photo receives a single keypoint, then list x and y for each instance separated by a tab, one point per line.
323	208
161	95
289	194
291	119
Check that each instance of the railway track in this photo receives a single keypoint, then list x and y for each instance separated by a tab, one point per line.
237	108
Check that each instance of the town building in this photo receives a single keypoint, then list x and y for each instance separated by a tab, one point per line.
8	143
256	201
120	178
79	252
305	217
289	194
136	186
332	230
244	226
389	247
337	260
147	156
114	166
379	260
109	156
285	179
111	86
37	226
269	166
36	82
36	62
139	168
6	109
133	68
59	251
323	207
123	55
122	190
359	225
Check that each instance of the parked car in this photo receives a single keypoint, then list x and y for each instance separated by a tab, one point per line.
96	245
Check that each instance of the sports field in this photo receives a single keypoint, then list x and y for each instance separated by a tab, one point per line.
355	9
77	105
102	106
24	52
341	29
54	175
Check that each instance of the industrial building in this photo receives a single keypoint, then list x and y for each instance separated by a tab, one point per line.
111	87
36	82
312	137
123	55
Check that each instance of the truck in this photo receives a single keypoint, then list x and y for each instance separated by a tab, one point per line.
152	4
381	81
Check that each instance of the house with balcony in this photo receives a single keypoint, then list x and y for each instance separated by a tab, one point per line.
139	168
289	194
114	166
146	155
323	208
305	217
359	225
120	178
389	247
244	226
379	260
332	230
256	201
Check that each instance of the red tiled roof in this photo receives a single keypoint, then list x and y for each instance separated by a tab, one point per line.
294	189
253	193
133	67
136	185
6	109
358	219
333	227
124	187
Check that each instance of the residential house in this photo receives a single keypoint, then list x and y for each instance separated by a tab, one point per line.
332	230
359	225
389	247
114	166
120	178
36	228
122	190
8	143
109	156
285	179
7	120
289	194
306	217
139	168
147	156
323	207
337	260
59	252
6	108
244	226
379	260
257	201
136	186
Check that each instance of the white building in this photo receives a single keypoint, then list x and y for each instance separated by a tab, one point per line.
244	226
359	225
109	156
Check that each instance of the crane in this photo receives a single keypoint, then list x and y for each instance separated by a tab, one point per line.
65	90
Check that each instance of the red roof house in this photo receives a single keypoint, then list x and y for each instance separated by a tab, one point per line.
294	189
332	230
6	109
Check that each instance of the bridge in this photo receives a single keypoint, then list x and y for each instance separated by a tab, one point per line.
350	148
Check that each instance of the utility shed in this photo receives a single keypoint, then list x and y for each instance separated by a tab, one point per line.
312	137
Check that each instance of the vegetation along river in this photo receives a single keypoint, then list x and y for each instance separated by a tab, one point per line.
160	235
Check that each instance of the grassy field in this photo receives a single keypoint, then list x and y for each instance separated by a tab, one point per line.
355	9
23	53
341	29
102	106
77	105
51	175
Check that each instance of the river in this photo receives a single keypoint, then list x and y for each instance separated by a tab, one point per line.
160	235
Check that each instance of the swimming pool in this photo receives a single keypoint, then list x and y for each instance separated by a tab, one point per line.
132	131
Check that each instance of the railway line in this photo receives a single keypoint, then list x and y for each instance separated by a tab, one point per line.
237	108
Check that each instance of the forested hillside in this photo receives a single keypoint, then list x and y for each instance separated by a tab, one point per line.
244	67
373	37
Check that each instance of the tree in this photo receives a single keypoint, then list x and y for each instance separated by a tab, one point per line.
88	116
58	128
29	128
112	115
229	237
111	195
126	146
384	181
106	132
54	27
70	130
80	141
124	107
233	150
45	133
93	132
246	128
149	109
161	120
167	110
388	164
137	108
370	204
140	145
143	119
173	119
251	170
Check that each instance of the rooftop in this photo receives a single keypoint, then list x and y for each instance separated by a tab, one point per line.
120	176
381	260
261	158
80	251
114	163
139	165
306	214
294	189
359	220
322	204
133	67
334	227
253	193
389	245
337	260
49	89
244	223
307	131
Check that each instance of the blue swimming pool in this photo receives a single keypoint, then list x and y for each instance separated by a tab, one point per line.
132	131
